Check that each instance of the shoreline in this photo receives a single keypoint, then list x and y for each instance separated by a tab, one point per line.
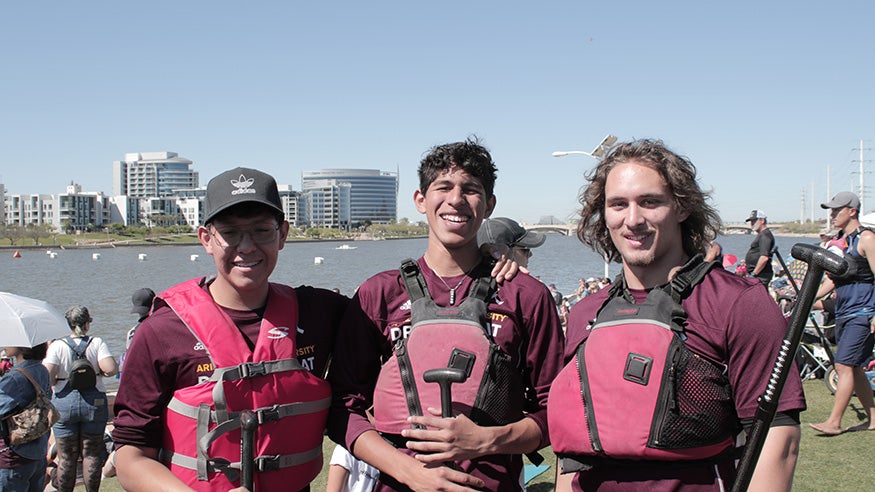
135	243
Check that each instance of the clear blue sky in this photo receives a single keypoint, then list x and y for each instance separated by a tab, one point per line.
762	96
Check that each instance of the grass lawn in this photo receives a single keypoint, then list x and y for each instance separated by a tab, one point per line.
840	463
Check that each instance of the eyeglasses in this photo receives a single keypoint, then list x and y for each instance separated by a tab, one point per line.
231	238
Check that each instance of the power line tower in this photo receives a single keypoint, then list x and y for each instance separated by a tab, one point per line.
862	162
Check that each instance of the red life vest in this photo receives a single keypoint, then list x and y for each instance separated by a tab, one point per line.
455	337
202	424
634	391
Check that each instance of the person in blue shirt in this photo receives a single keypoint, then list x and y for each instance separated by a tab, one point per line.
22	467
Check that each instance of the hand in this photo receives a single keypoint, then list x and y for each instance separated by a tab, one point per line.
446	439
505	267
443	478
872	325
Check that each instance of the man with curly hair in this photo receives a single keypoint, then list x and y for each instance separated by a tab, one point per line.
644	208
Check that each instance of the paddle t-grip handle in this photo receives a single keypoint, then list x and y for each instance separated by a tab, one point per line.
445	377
817	256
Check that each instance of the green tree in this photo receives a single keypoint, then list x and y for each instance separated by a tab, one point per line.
14	232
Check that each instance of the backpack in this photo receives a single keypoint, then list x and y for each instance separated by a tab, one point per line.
456	338
82	375
634	391
34	420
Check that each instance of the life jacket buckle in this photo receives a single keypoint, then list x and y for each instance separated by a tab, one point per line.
268	414
252	369
267	463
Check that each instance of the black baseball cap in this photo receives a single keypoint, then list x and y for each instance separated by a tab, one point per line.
502	230
141	300
241	185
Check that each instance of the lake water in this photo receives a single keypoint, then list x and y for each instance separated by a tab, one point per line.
105	285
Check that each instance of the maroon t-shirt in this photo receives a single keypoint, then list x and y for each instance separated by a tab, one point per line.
165	356
524	323
731	321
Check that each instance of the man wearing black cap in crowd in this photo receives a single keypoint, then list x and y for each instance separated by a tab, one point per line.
141	304
759	257
216	346
854	314
508	232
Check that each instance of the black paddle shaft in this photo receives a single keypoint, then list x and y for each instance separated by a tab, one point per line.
819	260
248	424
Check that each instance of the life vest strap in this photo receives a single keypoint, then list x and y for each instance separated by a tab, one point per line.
264	414
580	463
244	371
232	469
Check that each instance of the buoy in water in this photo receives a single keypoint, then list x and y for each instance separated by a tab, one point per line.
318	260
142	257
16	254
95	256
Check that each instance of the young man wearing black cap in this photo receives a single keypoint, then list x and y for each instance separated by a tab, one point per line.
141	304
759	257
214	347
854	314
501	230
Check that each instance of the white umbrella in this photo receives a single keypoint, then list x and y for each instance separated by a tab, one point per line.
26	322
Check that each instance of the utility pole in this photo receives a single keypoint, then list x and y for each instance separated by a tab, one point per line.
802	208
862	181
862	188
828	197
812	201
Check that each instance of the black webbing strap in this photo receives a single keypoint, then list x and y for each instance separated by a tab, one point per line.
414	282
483	287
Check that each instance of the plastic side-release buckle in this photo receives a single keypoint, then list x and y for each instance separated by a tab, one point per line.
267	463
268	414
252	369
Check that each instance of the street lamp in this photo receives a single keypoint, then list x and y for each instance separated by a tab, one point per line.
596	153
600	150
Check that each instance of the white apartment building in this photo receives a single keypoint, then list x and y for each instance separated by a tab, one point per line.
152	174
350	197
327	203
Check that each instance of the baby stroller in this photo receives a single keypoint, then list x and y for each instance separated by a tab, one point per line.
815	356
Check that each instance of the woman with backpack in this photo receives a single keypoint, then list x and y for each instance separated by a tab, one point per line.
77	365
22	466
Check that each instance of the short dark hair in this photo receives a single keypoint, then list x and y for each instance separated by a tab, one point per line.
700	227
469	156
34	353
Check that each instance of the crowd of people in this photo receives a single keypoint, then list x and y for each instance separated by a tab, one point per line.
443	373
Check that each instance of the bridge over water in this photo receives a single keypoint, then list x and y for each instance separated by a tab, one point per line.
564	229
571	229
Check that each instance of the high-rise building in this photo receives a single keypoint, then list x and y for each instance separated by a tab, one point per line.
2	204
350	197
152	174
